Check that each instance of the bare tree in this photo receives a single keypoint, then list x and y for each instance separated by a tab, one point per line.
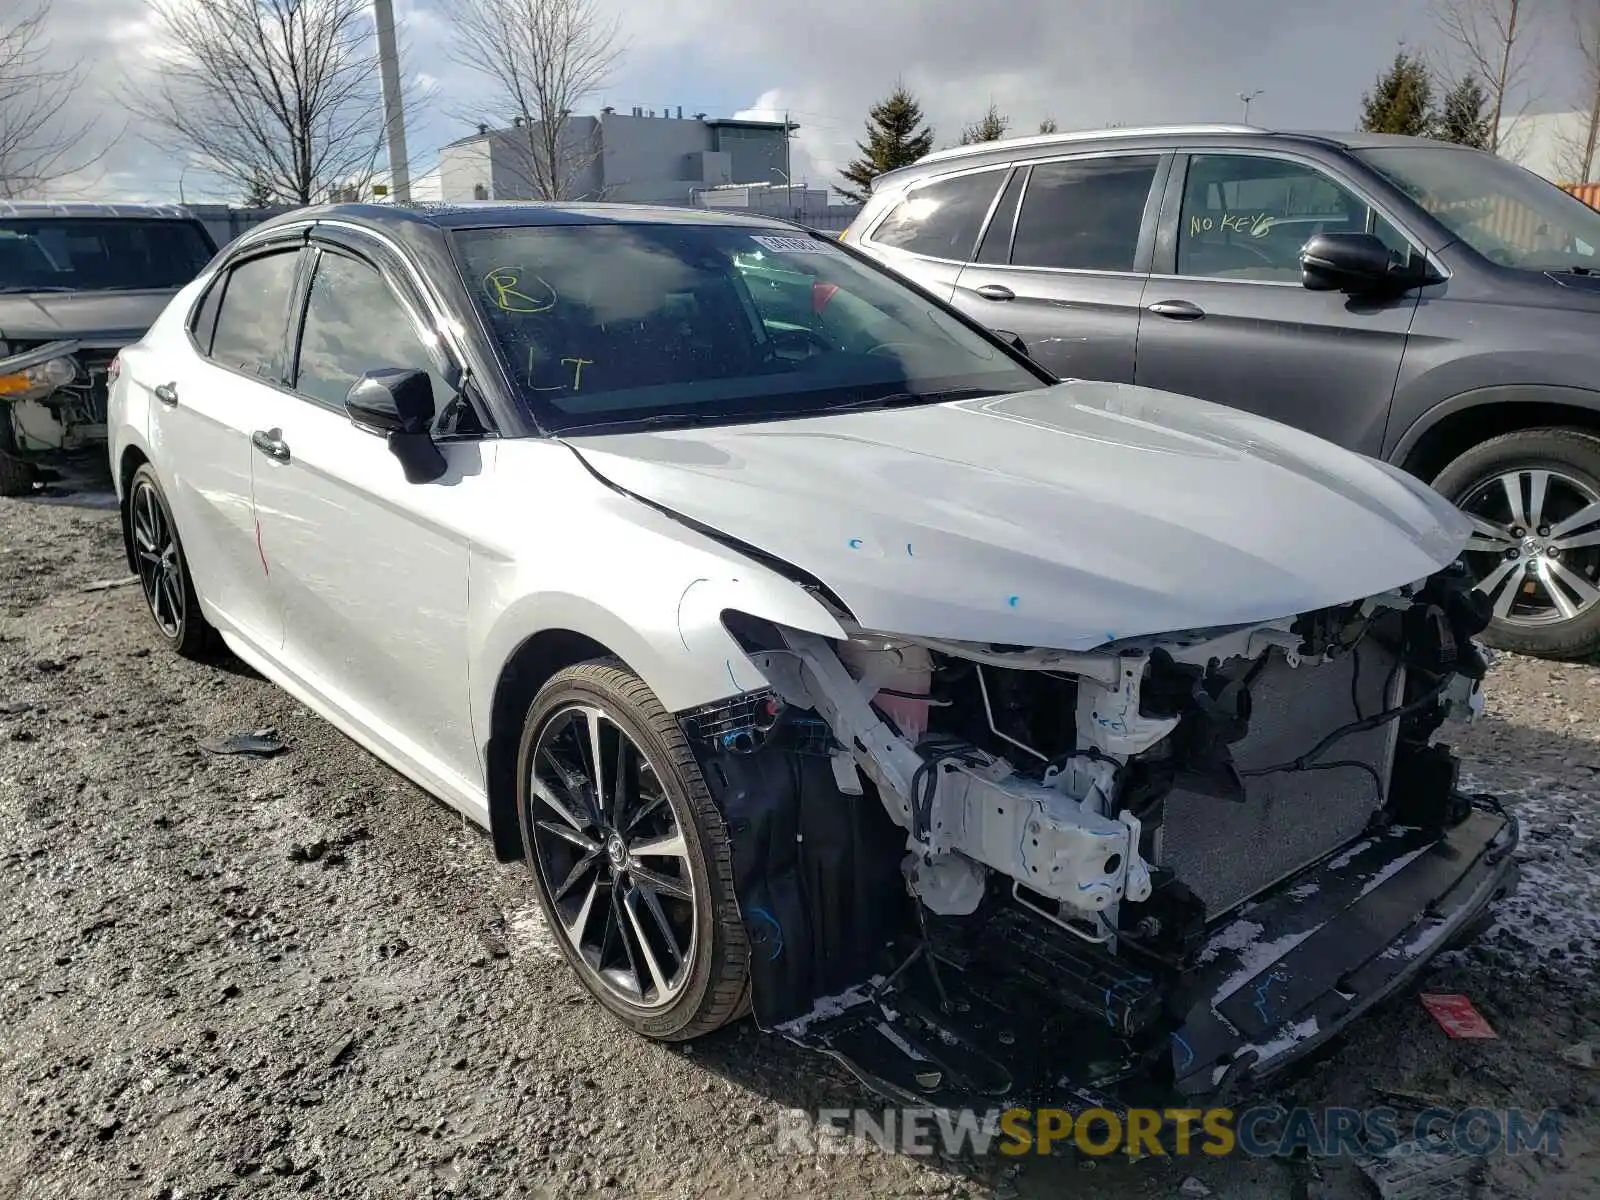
278	97
1493	38
38	146
1575	148
543	58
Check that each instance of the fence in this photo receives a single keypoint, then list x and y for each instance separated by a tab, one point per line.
1589	193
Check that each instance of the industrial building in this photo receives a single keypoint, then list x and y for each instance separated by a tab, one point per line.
640	156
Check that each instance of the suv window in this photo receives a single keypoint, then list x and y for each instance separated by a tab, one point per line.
1084	214
1247	216
354	323
941	219
255	301
101	253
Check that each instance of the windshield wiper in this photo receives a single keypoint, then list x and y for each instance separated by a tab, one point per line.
905	399
10	288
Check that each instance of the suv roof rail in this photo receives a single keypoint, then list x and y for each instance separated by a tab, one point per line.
1083	135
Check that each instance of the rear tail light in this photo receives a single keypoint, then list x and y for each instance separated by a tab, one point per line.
114	369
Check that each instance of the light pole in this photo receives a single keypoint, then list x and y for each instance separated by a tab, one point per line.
394	117
788	185
1246	97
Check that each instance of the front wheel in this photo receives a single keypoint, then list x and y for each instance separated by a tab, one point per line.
1534	500
630	856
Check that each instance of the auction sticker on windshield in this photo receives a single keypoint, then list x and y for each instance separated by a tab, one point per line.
792	245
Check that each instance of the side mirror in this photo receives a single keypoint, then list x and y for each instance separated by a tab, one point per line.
1346	262
1011	339
397	404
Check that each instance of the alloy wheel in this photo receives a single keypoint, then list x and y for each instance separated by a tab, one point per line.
155	549
612	857
1535	547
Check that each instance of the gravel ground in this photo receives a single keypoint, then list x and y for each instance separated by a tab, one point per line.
225	976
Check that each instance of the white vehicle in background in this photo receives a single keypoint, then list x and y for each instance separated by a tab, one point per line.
818	652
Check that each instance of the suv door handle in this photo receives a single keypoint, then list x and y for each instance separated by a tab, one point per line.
167	393
270	442
1177	310
995	291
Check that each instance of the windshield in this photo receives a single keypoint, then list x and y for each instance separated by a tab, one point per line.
605	325
89	254
1507	214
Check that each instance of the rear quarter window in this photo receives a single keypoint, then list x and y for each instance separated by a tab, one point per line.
941	219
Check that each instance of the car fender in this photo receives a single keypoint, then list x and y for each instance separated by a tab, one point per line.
641	583
1406	445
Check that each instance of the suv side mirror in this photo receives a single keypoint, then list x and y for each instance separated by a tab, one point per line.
397	404
1346	262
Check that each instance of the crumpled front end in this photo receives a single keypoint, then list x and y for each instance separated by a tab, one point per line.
983	873
53	398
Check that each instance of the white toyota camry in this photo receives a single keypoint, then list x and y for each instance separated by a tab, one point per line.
820	654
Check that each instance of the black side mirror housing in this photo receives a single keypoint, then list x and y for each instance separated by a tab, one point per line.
1011	339
397	404
1354	263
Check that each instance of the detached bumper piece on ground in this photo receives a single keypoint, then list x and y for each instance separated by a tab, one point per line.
988	876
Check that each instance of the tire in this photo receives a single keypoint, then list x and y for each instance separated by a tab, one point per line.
711	986
1568	462
163	571
16	475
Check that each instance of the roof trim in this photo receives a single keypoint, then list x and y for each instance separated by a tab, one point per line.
1083	135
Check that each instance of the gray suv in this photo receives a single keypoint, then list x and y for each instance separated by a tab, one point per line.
1423	303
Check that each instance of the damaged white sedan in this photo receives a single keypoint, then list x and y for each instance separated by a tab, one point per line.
1007	739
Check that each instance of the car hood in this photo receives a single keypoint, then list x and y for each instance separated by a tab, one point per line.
1063	517
87	316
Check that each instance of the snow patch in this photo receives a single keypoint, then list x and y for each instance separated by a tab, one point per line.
1236	936
527	932
1390	870
1256	958
828	1007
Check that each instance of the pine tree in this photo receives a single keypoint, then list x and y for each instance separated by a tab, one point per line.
1048	125
896	137
990	127
1462	118
1401	100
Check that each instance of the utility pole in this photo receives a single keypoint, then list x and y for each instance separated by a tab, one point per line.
394	116
1247	97
788	179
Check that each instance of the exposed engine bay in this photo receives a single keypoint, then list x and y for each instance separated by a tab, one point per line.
983	871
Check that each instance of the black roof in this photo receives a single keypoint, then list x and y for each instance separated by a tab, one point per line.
490	214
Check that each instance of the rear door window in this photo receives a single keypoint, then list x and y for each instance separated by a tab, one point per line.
1084	214
941	219
251	320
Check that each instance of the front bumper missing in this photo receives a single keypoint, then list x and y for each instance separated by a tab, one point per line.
1276	979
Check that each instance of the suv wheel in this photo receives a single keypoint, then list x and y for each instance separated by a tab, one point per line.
1534	497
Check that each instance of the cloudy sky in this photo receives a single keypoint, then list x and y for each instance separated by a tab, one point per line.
1087	63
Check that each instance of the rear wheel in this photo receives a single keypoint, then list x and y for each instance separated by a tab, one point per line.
630	856
169	593
1534	500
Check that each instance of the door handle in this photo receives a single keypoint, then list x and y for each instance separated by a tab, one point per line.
995	291
1177	310
270	442
167	393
